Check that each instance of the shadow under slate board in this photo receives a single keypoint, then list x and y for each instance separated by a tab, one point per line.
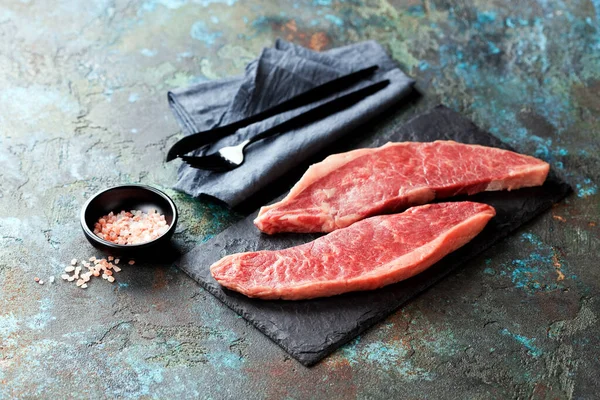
309	330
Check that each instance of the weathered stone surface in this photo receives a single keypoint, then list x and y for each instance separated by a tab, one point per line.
83	106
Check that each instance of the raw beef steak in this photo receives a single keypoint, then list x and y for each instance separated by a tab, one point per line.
347	187
369	254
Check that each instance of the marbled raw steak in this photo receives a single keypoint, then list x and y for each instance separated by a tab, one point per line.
348	187
367	255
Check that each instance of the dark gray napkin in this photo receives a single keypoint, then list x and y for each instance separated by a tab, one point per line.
278	74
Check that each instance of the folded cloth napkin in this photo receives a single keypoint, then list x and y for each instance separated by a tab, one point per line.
278	74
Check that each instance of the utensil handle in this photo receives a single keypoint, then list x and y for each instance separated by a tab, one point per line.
322	111
197	140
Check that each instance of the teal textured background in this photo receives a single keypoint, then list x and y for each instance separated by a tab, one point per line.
83	106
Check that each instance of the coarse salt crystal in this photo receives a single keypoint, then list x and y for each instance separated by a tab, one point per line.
101	267
74	261
41	282
132	227
51	279
117	260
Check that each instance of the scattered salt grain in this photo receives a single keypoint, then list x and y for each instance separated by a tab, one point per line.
74	261
131	262
51	279
101	267
117	261
41	282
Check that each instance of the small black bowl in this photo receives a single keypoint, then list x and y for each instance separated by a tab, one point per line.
128	197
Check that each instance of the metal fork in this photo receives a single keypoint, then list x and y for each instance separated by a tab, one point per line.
231	157
317	93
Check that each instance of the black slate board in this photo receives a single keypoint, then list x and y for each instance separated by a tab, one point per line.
310	330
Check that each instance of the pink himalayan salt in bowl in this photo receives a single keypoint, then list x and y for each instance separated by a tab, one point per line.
131	227
160	211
